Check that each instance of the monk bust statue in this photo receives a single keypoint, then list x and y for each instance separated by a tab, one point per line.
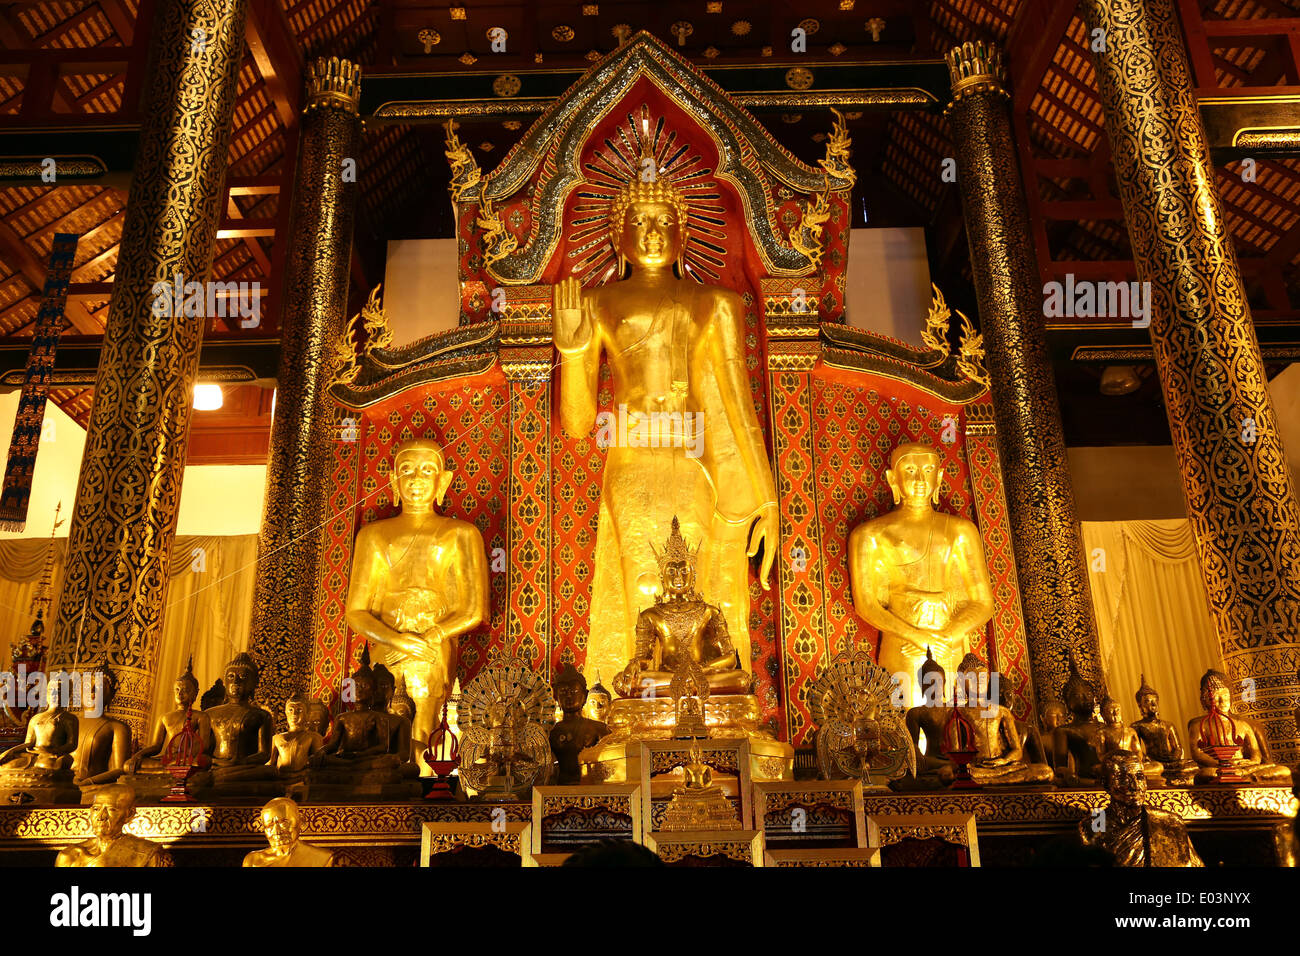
917	575
419	581
110	811
1134	833
680	627
279	821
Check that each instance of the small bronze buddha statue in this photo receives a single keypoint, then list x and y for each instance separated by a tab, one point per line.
928	718
145	771
295	750
1160	738
401	707
280	823
103	742
1000	756
1079	743
1135	834
1117	736
574	733
358	757
39	770
111	809
679	627
242	733
1254	762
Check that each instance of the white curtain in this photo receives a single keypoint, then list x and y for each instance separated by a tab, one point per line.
1152	613
209	603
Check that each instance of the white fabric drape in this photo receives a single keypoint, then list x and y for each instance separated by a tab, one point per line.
209	603
1152	613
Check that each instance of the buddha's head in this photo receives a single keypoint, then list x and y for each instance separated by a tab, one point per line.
295	711
402	704
647	222
420	477
280	823
1110	712
363	683
1148	700
186	690
599	700
111	810
915	475
99	691
385	686
1125	781
241	679
1215	691
1079	694
676	564
1055	713
932	678
570	689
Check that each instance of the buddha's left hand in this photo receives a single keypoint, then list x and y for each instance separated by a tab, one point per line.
765	535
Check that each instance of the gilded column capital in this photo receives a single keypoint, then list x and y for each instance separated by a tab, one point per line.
976	68
333	83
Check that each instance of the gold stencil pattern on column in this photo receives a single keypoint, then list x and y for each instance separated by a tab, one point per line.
128	492
1040	500
1240	497
290	548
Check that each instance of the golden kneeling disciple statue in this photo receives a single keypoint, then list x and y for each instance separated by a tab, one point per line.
1135	834
110	811
279	821
1254	763
419	581
687	441
917	575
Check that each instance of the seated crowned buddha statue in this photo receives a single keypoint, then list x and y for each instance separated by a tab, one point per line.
918	575
1160	737
1117	736
680	627
1135	834
419	581
103	742
1253	762
1079	743
39	770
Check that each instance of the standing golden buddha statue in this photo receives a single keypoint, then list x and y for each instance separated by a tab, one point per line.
419	581
917	575
694	447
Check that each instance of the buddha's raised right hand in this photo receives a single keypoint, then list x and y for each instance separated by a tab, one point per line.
572	325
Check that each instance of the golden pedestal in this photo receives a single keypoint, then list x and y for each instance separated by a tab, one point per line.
633	721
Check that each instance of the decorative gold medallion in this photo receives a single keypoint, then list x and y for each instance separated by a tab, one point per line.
507	84
562	33
799	78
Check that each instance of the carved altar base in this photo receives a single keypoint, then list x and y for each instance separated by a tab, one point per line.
633	721
23	787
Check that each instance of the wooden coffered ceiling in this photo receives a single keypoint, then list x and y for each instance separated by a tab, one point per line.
75	68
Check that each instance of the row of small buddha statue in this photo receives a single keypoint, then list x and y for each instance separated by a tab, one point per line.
1078	733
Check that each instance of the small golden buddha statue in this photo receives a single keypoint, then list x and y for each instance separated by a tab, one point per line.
698	804
1116	735
1079	743
419	581
1254	763
574	733
1000	758
917	575
1160	738
295	750
681	627
598	702
145	771
39	770
103	742
280	824
111	809
693	449
1134	833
